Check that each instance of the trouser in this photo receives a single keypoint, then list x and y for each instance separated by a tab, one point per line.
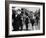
15	27
26	26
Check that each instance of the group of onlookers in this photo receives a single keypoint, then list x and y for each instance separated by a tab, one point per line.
23	20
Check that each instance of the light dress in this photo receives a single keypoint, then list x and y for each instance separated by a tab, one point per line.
35	26
29	26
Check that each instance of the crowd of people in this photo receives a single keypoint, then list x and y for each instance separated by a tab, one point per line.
24	19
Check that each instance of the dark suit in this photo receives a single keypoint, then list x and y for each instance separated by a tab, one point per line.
19	21
26	22
37	18
32	21
16	22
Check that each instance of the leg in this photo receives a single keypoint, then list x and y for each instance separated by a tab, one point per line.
26	26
